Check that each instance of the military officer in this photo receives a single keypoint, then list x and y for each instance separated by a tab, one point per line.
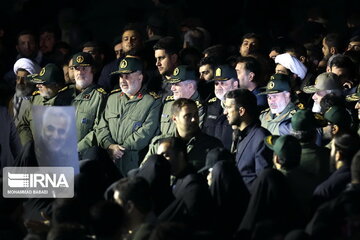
89	101
51	91
131	117
277	118
183	85
215	122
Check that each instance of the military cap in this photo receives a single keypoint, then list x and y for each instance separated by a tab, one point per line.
305	119
224	73
182	73
129	64
215	155
355	96
82	59
339	116
325	81
278	83
286	146
49	74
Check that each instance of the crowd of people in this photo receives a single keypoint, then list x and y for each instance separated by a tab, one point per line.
180	137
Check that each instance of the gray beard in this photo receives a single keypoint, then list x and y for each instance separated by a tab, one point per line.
23	92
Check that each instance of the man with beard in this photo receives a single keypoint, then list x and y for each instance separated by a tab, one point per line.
50	148
277	118
215	122
252	155
325	84
51	91
130	118
183	84
23	89
89	101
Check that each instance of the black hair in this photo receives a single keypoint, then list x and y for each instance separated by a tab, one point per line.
246	99
169	44
335	40
180	103
137	190
251	65
347	144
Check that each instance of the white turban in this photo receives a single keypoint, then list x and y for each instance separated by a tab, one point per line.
27	65
292	63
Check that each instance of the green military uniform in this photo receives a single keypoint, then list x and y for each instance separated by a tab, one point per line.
180	74
166	124
50	74
89	105
278	124
272	122
197	147
314	159
131	123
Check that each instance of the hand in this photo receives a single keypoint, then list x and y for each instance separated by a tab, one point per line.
116	151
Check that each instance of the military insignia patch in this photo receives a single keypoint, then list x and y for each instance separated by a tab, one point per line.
100	90
218	72
212	100
86	96
42	72
272	78
123	63
79	59
319	117
301	106
169	98
271	85
154	95
269	140
176	71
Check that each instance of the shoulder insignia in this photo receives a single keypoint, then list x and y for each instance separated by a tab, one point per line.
198	104
115	91
154	95
101	90
300	106
293	111
64	88
212	100
265	110
36	93
169	98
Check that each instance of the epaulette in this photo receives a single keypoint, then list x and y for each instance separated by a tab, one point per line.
293	111
212	100
265	110
115	91
154	95
36	93
63	89
198	104
169	98
300	106
101	90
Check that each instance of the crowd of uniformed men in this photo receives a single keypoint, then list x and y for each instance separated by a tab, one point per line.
281	130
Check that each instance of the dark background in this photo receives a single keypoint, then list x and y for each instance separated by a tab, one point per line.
226	20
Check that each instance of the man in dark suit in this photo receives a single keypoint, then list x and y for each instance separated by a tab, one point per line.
252	156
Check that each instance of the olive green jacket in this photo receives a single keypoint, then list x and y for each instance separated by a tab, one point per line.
89	105
166	124
272	122
26	126
131	123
